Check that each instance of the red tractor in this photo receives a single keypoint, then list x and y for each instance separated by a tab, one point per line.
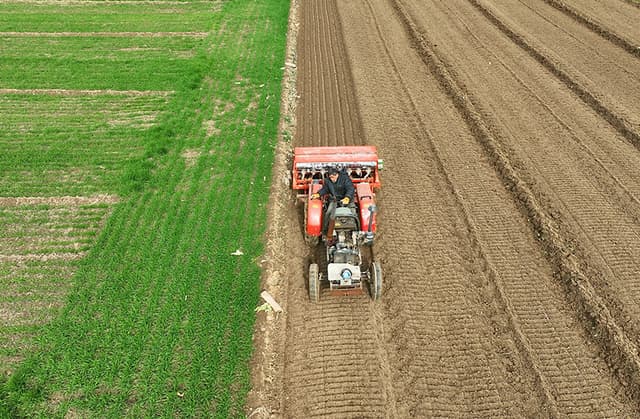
355	224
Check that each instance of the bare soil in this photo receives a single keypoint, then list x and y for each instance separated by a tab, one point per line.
81	92
510	215
105	34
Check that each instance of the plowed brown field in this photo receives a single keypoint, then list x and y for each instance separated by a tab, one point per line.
510	213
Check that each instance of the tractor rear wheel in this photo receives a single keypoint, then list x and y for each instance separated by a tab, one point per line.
314	283
375	281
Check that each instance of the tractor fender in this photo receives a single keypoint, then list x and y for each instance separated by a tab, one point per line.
314	212
366	198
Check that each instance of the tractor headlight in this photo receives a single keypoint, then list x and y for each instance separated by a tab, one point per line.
346	274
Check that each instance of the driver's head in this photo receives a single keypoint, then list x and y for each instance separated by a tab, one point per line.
333	174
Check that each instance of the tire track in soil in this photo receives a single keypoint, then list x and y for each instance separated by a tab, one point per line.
334	364
427	302
613	173
613	180
609	73
610	265
619	352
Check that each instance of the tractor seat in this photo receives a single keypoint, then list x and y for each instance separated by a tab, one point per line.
346	219
345	212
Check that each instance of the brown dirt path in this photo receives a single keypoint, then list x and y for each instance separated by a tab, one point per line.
507	228
332	353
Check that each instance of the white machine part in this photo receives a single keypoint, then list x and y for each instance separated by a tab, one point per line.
345	273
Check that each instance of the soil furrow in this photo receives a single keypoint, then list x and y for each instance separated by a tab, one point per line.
323	60
336	342
517	281
329	100
606	72
440	294
345	78
521	342
593	177
330	40
596	192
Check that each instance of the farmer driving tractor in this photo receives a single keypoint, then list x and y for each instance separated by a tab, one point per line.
348	177
340	189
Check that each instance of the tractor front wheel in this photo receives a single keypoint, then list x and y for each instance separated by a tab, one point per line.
314	283
375	279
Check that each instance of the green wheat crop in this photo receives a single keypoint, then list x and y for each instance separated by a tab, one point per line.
159	314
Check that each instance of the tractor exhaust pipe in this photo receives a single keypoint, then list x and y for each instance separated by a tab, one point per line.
369	235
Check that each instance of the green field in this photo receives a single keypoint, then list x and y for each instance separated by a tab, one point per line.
137	143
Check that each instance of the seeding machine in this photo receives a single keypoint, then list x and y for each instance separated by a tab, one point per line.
355	223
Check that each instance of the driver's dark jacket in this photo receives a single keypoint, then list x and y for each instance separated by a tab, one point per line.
343	187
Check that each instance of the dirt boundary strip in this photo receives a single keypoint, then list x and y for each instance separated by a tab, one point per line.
57	200
69	92
596	27
42	257
266	399
105	34
623	356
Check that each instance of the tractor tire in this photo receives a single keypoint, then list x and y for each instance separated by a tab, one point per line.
375	281
314	283
312	241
